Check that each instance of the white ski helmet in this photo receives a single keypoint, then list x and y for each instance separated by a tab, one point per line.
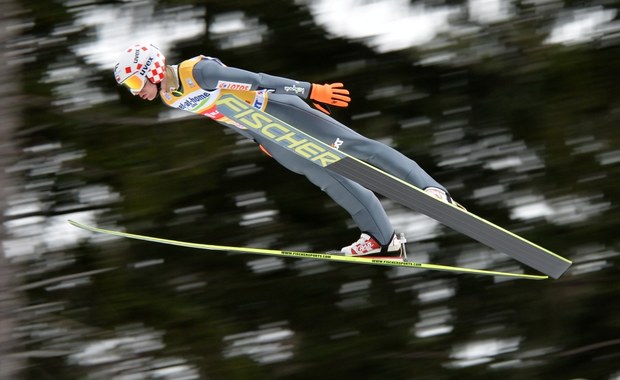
138	63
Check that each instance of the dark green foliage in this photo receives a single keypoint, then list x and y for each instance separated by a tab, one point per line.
553	110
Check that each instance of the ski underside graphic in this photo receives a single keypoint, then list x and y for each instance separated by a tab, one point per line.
384	261
392	187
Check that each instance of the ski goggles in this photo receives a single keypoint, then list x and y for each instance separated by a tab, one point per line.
134	83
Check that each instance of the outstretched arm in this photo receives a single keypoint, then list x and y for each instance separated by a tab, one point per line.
211	74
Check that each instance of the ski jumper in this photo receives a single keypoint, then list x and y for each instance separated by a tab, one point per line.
202	80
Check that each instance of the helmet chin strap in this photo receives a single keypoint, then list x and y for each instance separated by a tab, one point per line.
171	79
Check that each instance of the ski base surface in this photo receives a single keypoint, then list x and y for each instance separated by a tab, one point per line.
377	180
385	261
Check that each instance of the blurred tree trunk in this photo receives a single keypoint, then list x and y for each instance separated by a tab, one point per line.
9	114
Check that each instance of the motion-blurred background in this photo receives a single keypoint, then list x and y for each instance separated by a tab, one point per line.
513	105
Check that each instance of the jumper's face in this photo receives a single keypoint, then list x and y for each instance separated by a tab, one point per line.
149	91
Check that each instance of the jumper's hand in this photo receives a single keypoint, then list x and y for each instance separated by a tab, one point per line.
330	94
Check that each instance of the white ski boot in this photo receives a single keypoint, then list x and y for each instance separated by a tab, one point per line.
368	245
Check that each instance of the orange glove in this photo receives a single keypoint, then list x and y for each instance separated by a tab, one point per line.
330	94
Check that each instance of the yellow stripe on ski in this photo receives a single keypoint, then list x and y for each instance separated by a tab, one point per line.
310	255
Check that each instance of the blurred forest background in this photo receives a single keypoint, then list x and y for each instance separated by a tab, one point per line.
512	104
